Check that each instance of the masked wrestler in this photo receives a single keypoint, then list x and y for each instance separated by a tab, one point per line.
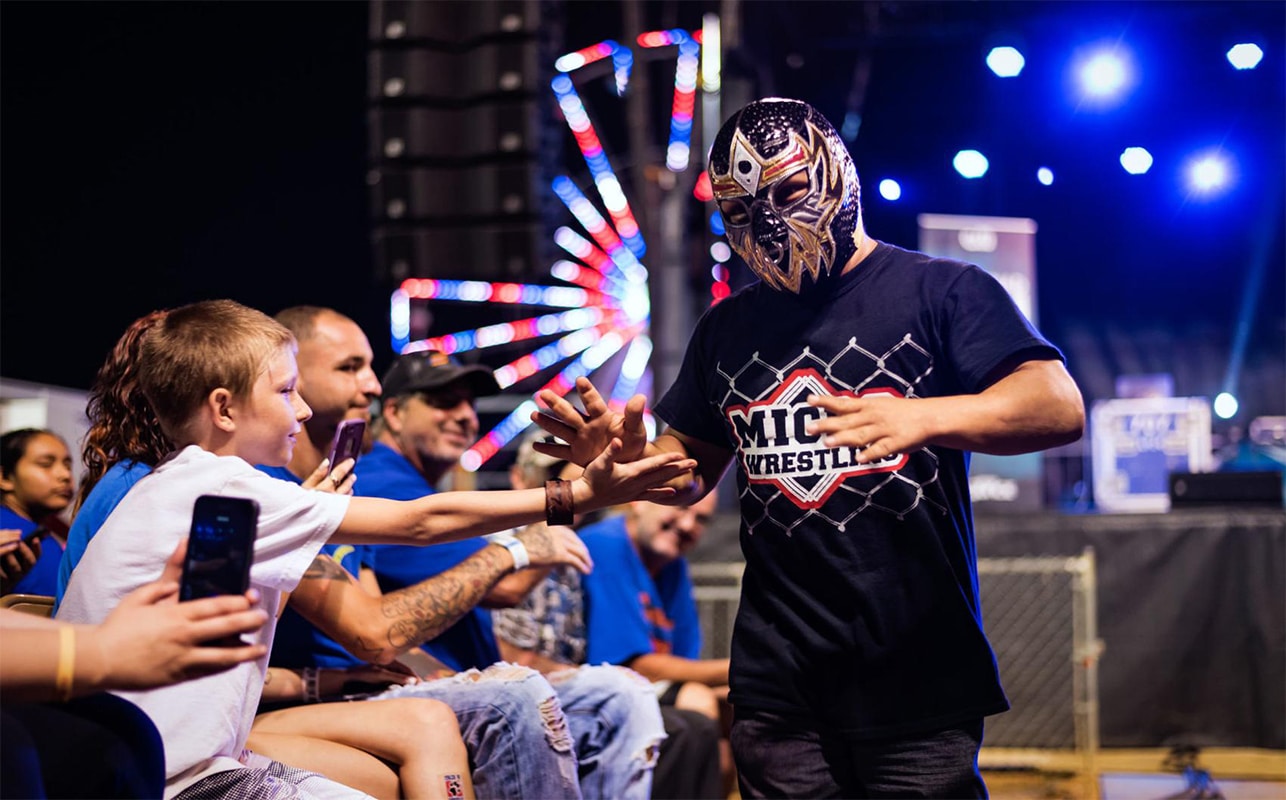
848	386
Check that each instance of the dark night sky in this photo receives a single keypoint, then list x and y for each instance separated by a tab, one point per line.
152	154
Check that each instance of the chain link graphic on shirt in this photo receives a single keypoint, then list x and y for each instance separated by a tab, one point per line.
757	404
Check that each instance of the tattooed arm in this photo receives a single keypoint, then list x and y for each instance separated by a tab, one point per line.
378	628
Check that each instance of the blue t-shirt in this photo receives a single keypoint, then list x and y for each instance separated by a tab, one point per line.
859	607
43	576
384	472
627	611
98	506
298	643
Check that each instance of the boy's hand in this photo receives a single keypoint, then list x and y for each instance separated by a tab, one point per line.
587	435
610	482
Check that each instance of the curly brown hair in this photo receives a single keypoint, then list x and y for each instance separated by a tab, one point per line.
122	425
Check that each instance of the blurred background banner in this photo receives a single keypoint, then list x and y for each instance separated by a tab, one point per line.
1006	248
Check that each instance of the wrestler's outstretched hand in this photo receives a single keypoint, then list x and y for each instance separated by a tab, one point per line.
587	435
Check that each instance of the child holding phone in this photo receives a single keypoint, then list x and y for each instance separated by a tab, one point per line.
221	379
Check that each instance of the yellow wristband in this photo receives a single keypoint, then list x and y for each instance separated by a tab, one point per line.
66	663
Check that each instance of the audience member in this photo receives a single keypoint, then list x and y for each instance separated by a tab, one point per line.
221	380
35	486
547	631
61	734
503	711
124	442
642	612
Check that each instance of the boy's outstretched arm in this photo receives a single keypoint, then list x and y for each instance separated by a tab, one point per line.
450	516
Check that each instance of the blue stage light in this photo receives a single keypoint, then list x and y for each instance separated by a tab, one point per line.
1045	175
970	163
1136	160
1208	173
1103	75
1246	55
1006	62
890	190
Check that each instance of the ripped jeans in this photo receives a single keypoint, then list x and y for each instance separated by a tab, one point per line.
593	733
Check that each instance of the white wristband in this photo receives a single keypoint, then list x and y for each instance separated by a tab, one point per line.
518	550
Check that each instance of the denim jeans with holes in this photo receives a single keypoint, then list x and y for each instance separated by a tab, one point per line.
591	734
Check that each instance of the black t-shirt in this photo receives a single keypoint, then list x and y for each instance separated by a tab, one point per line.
859	608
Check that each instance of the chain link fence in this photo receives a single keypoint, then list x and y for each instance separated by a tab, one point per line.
1041	617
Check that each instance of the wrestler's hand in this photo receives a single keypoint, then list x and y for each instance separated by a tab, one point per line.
554	545
333	481
878	425
588	434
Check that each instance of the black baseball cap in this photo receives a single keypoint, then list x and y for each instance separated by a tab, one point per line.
428	370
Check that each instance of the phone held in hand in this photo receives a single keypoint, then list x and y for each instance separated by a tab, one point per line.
38	532
220	551
347	442
49	525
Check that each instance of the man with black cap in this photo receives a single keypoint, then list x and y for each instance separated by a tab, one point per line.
427	422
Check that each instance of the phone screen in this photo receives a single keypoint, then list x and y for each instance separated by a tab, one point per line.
220	551
220	547
347	442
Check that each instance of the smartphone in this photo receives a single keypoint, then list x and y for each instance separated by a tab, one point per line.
38	532
51	524
220	551
347	442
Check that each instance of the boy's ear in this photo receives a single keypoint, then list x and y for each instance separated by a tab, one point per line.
221	409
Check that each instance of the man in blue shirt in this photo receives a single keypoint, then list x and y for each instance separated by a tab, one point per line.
642	611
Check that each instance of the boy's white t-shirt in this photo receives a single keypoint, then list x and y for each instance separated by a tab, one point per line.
203	723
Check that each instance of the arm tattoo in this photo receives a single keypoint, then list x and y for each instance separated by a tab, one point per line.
418	613
325	568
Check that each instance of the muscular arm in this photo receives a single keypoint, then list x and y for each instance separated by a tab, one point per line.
712	462
510	590
667	667
380	627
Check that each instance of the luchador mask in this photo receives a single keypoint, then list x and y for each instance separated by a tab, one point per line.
787	190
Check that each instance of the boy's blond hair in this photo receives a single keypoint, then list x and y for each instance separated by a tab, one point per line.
201	347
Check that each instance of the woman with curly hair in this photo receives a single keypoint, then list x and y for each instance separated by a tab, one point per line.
124	440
